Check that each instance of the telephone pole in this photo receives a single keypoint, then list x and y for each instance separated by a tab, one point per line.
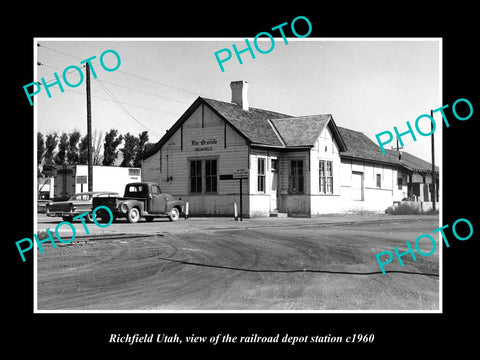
89	132
398	150
434	193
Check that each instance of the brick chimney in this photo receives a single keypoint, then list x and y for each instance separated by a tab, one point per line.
240	93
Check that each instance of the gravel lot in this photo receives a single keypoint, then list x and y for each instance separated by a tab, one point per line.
321	263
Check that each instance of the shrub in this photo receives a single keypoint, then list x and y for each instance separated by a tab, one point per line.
408	209
403	209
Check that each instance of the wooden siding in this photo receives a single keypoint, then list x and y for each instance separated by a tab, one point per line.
202	136
151	168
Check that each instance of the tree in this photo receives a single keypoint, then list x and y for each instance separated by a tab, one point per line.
97	138
40	151
142	147
83	151
129	150
72	151
97	147
110	145
50	145
60	158
133	149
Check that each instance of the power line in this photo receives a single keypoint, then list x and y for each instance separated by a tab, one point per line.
58	51
114	84
126	87
123	72
125	110
145	92
53	67
159	83
123	102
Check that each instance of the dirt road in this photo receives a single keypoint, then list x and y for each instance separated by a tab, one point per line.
278	267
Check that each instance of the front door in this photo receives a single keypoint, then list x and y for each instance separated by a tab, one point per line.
274	184
157	201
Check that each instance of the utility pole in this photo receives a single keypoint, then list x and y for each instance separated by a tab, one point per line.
434	193
398	150
89	132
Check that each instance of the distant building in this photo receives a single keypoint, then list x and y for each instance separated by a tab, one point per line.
45	188
419	176
301	166
72	179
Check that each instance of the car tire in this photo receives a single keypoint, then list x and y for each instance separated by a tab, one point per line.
67	218
89	217
174	214
103	216
149	218
133	215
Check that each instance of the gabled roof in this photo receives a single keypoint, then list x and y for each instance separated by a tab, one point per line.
305	130
359	146
252	124
272	129
413	163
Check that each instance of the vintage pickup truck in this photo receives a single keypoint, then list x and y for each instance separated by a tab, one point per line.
141	199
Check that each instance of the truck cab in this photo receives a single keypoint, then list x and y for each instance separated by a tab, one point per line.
141	199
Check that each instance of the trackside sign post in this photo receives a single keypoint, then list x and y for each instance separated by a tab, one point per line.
240	174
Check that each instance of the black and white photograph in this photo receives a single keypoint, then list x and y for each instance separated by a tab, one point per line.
211	182
262	187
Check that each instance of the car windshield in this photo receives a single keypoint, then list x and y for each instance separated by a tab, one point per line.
81	197
107	195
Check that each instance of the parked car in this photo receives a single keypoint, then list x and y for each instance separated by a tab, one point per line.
76	205
42	206
142	199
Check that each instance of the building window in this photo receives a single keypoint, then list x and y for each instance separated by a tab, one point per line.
196	176
325	177
379	180
133	172
274	165
211	175
206	181
399	183
296	177
261	175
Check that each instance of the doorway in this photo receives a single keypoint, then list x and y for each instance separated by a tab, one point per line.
274	184
357	186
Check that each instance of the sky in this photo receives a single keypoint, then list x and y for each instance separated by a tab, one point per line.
368	85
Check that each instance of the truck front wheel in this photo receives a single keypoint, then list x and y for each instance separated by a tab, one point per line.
102	216
174	214
133	215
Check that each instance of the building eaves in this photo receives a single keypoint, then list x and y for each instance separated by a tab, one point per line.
360	147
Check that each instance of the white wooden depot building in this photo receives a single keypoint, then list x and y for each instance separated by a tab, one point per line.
301	166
